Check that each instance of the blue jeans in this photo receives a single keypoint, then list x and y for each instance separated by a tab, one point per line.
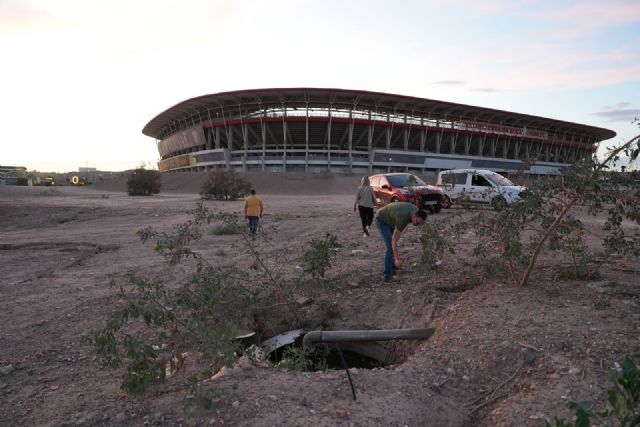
253	224
386	231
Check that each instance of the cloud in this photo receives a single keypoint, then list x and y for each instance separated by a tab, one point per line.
449	82
17	17
599	14
483	89
619	115
618	106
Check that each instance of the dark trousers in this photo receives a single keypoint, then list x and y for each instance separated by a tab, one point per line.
253	224
366	216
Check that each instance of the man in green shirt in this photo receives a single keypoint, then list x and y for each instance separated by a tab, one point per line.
392	220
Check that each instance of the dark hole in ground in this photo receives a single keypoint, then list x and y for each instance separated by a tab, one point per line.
323	357
353	360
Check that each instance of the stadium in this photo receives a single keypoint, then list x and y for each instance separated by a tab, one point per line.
353	131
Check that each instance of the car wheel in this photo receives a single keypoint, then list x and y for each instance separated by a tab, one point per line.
498	203
447	202
394	199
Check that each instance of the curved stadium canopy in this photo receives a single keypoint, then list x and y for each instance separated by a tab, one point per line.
312	129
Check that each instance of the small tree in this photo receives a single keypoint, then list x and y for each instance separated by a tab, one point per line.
224	184
545	217
143	182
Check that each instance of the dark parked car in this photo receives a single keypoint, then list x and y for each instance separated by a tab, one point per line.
406	187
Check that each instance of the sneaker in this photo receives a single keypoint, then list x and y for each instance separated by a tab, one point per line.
390	278
365	234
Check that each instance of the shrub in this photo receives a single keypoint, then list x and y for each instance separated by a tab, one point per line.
143	182
224	184
224	229
320	255
433	245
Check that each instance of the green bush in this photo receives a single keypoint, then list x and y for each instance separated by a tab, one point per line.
320	255
224	184
143	182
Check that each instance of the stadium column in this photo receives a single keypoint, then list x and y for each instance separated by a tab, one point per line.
209	132
370	142
306	139
405	134
229	144
246	145
577	156
453	140
350	165
388	133
438	137
263	130
284	138
547	154
329	139
217	138
505	147
423	139
405	139
467	144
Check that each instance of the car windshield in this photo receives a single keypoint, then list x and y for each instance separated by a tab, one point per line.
404	180
498	179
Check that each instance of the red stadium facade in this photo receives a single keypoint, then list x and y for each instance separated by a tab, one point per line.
350	131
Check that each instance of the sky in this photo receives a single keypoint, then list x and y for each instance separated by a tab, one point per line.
79	79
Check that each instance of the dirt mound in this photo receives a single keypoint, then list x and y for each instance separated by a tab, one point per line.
264	183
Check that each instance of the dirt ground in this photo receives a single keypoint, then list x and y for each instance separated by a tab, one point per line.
61	248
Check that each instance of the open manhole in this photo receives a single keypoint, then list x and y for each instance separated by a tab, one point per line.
333	349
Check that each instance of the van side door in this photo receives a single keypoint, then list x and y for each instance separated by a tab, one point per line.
480	190
455	184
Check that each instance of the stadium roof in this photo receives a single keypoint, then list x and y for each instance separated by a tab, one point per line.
246	101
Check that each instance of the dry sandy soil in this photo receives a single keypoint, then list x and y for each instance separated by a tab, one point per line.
60	249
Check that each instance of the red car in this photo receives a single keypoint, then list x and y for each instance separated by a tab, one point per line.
406	187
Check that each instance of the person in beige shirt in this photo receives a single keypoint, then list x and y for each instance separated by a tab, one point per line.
253	212
365	201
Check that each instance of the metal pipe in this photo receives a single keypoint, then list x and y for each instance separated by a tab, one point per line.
317	337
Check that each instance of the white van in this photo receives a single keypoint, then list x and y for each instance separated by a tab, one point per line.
478	186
